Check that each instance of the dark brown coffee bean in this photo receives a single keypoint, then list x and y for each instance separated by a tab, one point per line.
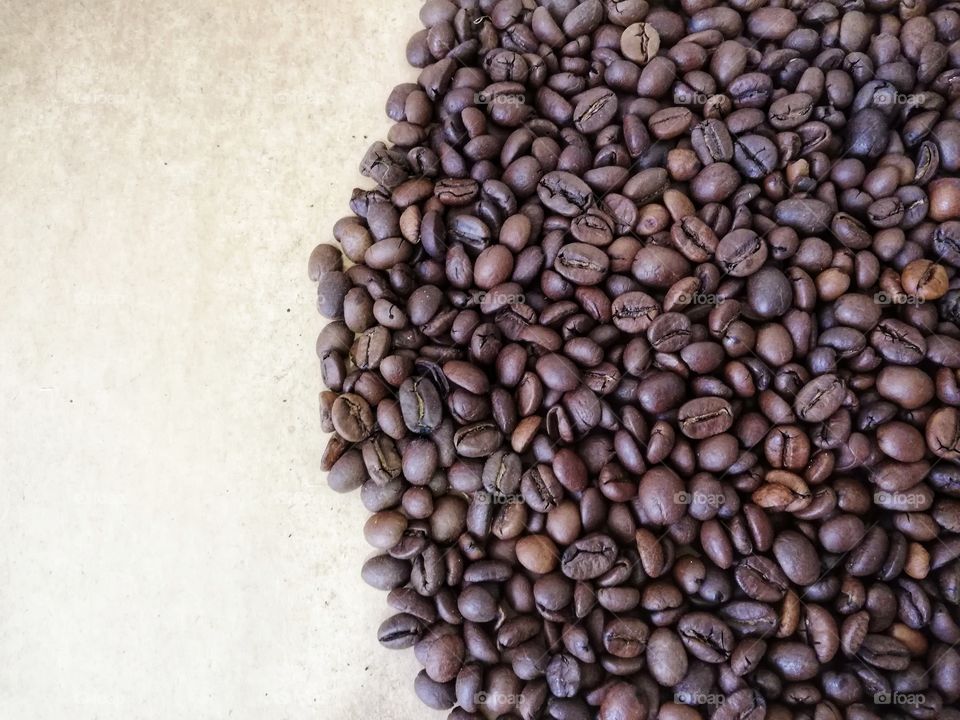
806	215
761	579
712	142
706	637
582	264
820	398
705	417
420	403
589	557
794	661
741	253
352	417
797	557
634	312
477	440
400	631
595	109
564	193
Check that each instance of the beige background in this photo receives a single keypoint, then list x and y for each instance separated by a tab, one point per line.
168	547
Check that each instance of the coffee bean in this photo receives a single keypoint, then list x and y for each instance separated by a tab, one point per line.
908	387
744	703
694	238
589	557
477	440
595	110
884	652
400	631
582	264
769	293
634	312
741	253
621	702
420	403
706	637
712	142
537	553
898	342
867	133
790	111
925	279
807	215
659	267
666	657
660	496
797	557
670	122
640	42
820	398
761	579
794	661
626	637
705	417
564	193
944	196
352	417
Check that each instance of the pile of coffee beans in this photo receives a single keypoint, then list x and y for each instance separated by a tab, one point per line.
646	359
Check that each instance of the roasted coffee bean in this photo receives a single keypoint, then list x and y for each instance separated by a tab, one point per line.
352	417
640	42
582	264
589	557
884	652
820	398
794	661
634	312
712	142
420	403
564	193
797	557
705	417
806	215
741	253
595	109
400	631
666	657
769	293
477	440
761	579
706	637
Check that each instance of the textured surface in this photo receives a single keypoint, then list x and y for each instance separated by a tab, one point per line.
169	549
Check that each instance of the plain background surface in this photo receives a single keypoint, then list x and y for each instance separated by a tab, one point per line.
169	547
